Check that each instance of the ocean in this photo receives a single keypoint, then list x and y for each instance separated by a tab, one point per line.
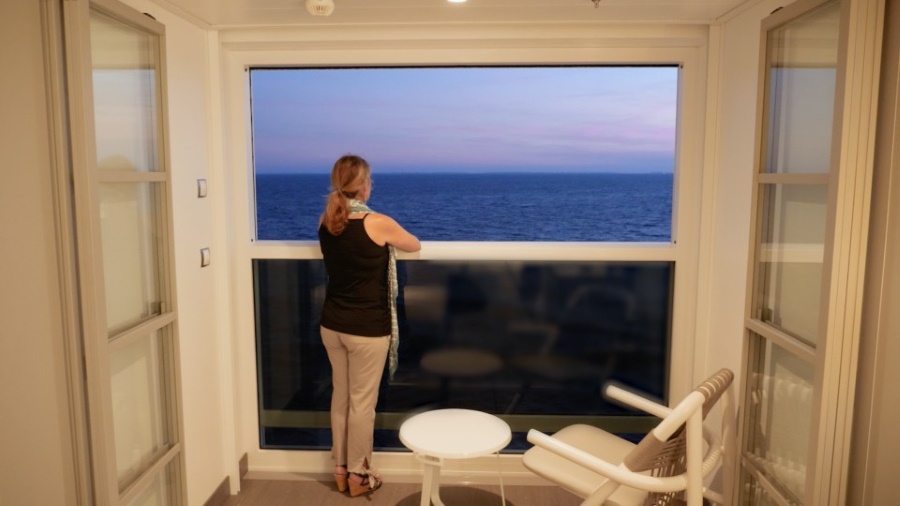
484	207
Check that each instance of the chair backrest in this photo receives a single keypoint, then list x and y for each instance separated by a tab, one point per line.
668	458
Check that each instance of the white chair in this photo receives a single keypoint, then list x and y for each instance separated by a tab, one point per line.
667	467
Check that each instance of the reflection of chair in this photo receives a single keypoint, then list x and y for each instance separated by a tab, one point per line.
667	467
551	365
581	348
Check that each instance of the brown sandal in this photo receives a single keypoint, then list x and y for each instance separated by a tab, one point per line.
368	483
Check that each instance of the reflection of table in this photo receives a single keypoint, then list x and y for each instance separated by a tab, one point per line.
452	434
459	364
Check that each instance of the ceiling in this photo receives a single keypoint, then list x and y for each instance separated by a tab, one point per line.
246	13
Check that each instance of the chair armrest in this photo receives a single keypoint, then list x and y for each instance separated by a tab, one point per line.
714	450
636	401
616	473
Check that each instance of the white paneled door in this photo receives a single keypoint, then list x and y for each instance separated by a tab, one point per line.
123	227
818	75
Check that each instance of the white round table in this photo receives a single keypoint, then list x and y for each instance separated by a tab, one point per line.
452	434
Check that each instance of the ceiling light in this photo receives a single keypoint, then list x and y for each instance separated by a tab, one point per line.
320	7
456	1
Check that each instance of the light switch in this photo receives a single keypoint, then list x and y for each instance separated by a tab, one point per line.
204	257
201	188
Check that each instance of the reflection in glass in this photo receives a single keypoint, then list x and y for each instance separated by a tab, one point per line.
518	339
754	493
802	74
161	491
139	405
780	415
791	258
128	223
125	104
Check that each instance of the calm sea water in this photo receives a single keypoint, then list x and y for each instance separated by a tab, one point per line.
484	207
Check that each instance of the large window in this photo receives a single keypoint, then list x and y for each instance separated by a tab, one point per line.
551	153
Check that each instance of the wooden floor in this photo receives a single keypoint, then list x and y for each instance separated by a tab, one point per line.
299	493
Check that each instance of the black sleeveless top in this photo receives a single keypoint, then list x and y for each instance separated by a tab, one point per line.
356	298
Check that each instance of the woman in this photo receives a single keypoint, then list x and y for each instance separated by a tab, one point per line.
356	324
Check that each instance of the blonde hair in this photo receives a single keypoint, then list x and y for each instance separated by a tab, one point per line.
348	177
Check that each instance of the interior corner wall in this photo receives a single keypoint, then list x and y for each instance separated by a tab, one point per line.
875	445
734	146
36	449
206	439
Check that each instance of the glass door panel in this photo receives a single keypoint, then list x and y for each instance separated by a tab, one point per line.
130	235
781	405
124	76
802	61
755	493
790	259
790	245
162	492
139	401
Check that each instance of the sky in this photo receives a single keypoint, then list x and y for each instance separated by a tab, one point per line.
466	119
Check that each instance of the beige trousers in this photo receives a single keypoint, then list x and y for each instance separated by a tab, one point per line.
356	366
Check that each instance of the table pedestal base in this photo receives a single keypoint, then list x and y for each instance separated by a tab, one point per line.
431	481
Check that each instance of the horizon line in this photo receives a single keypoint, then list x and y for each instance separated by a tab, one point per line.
454	173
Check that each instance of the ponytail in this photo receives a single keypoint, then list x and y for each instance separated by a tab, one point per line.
337	213
349	175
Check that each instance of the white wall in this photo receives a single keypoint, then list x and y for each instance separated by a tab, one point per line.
36	460
876	442
209	440
731	142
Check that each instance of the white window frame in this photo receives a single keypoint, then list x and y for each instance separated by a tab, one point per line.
241	50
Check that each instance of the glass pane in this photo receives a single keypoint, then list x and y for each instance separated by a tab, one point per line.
139	400
128	220
754	493
124	75
481	144
780	415
790	258
533	341
162	491
802	70
597	207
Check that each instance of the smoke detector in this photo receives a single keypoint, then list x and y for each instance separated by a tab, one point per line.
320	7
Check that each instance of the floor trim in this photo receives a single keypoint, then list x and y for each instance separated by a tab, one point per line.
243	465
447	477
220	494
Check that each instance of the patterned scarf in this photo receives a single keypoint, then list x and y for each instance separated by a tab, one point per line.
357	206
